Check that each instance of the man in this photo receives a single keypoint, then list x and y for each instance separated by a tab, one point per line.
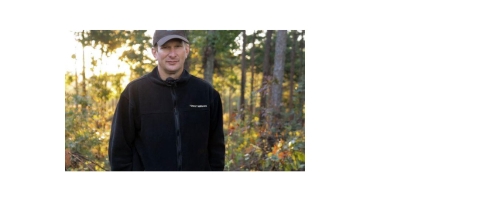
168	120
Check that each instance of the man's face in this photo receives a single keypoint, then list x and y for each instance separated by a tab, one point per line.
171	56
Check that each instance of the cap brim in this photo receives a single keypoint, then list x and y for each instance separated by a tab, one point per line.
169	37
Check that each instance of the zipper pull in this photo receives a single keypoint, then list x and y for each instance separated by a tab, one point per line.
171	81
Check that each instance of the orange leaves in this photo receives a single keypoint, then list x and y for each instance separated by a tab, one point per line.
275	149
230	130
279	151
252	148
233	115
284	154
281	155
241	130
249	149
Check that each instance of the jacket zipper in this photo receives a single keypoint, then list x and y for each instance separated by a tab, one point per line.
177	128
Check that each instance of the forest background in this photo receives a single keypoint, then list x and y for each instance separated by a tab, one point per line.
260	75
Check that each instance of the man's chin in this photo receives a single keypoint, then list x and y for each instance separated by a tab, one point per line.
171	71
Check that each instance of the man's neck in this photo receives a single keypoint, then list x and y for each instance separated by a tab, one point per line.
164	76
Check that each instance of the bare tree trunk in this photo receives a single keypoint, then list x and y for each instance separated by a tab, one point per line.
266	74
84	79
252	68
301	82
278	73
74	56
210	56
292	69
186	64
230	114
244	76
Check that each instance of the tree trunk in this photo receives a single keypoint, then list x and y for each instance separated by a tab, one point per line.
84	80
292	69
186	64
301	82
77	93
278	73
266	74
252	71
210	56
244	76
230	113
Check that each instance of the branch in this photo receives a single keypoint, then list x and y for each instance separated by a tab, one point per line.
80	157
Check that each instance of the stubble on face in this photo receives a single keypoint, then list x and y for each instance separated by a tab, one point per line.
171	57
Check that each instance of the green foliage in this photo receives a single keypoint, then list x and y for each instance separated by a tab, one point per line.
137	53
87	126
250	147
224	44
88	118
224	40
85	140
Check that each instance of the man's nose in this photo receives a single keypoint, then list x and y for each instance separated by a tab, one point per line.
172	53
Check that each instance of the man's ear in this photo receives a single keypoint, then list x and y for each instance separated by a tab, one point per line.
153	51
187	49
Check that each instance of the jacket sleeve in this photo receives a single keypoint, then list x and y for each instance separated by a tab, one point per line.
216	142
122	135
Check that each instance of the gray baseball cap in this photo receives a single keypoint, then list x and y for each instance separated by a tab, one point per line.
162	36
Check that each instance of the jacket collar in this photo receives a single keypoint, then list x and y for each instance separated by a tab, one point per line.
155	77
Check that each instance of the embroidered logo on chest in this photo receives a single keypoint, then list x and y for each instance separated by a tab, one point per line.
198	106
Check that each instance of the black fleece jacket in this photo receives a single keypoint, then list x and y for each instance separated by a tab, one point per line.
167	126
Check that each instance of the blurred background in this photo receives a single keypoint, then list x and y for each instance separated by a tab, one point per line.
260	75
